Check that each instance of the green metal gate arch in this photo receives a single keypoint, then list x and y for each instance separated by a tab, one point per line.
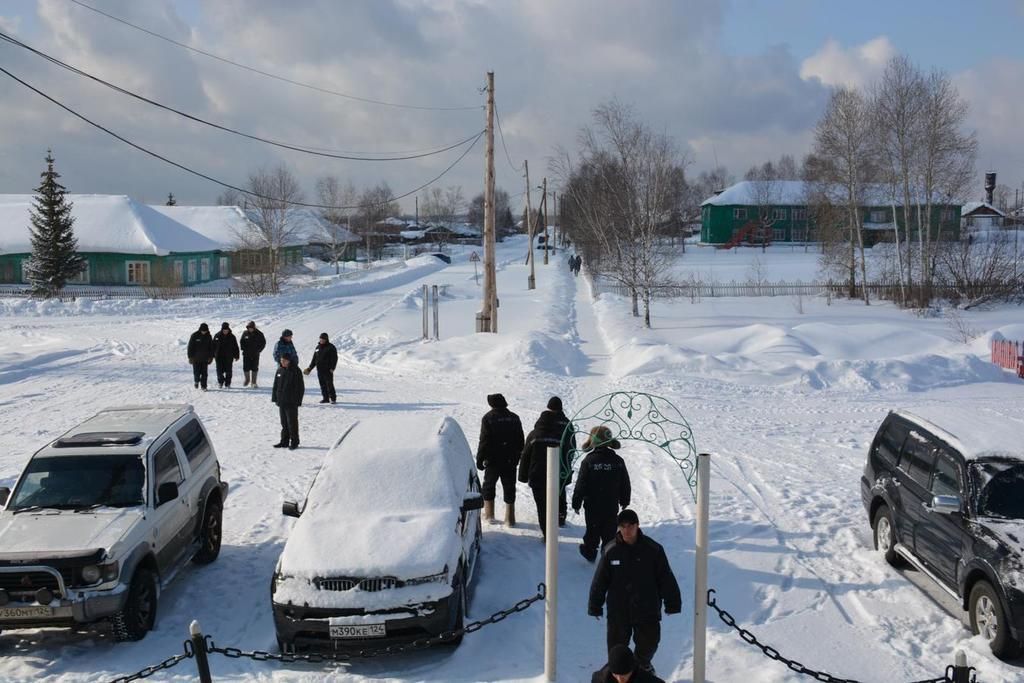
635	416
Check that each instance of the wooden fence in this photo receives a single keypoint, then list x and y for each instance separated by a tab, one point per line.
141	292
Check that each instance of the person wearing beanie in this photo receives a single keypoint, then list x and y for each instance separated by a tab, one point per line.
501	442
551	429
635	578
284	345
325	360
287	393
251	344
602	487
225	352
622	668
200	354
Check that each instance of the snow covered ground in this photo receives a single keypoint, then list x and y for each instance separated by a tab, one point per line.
786	401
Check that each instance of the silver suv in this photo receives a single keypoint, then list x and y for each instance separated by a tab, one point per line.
105	516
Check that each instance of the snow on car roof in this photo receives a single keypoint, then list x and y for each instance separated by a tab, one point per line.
975	433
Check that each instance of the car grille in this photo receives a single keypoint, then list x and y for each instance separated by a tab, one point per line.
346	583
28	582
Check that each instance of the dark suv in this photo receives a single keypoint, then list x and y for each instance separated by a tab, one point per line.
949	500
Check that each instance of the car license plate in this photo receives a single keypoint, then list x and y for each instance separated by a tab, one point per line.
358	631
28	612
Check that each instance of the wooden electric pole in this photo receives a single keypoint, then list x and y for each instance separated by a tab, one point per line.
554	210
487	318
546	239
531	281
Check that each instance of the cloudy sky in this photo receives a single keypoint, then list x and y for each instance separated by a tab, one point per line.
734	82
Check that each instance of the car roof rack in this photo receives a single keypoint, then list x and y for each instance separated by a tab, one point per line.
93	439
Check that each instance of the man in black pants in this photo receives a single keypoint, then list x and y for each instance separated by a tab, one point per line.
501	442
635	577
602	487
325	359
200	354
551	429
287	394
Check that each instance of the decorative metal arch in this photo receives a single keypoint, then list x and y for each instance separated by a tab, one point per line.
636	416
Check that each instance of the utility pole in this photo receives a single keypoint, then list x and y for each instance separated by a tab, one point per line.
531	281
554	210
487	318
417	211
546	240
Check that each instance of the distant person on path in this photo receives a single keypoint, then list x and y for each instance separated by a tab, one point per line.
501	442
635	577
622	668
225	352
284	345
549	430
251	344
287	394
579	264
325	360
200	354
602	487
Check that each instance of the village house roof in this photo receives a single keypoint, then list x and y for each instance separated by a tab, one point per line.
797	192
224	224
980	209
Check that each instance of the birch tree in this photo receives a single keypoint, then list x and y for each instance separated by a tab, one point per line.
271	226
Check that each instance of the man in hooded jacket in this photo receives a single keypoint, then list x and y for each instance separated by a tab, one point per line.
200	354
225	352
284	345
287	394
501	442
602	487
325	360
549	430
251	344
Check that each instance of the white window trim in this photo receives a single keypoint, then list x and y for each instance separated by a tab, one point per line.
128	269
191	270
739	214
179	272
224	266
779	214
204	269
83	277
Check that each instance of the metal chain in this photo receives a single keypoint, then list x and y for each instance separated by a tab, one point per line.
418	644
168	663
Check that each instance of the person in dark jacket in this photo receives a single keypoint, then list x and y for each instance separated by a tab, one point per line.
284	345
225	352
602	487
501	442
287	394
251	344
200	354
325	360
622	668
635	578
549	430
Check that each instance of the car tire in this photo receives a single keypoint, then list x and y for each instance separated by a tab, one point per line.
459	598
988	619
138	615
884	532
211	533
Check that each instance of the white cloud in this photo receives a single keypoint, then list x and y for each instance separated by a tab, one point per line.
856	66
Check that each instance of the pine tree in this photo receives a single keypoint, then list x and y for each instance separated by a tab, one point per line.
171	201
54	258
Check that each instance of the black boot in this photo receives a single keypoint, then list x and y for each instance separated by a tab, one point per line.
281	444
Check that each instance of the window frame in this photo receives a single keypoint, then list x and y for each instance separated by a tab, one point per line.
190	445
131	267
224	266
204	269
158	475
739	214
191	270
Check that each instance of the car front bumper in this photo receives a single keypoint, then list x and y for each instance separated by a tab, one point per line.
80	607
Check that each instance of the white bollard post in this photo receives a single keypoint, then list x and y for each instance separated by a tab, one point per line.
437	334
426	306
551	563
700	571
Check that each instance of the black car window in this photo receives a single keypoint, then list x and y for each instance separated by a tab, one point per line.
999	484
917	457
165	462
946	477
193	441
890	441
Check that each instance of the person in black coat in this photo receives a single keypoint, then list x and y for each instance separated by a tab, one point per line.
200	354
622	668
602	487
325	360
251	344
501	442
225	352
549	430
287	394
635	578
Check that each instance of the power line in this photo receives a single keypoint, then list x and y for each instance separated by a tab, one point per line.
501	134
283	79
229	185
226	129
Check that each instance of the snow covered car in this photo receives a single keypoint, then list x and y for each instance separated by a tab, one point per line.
945	493
386	543
105	515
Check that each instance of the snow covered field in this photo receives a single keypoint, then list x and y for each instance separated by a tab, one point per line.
786	401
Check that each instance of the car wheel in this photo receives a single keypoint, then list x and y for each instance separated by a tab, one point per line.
138	615
458	606
885	536
988	619
210	534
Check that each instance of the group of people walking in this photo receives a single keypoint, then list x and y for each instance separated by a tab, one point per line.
633	575
575	262
289	386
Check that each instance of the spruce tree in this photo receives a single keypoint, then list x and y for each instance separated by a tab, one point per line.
54	258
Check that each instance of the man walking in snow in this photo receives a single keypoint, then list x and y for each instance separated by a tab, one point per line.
284	345
200	354
602	487
287	394
225	352
635	578
549	430
501	442
251	344
325	360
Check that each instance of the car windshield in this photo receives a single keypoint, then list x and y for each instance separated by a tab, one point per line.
1000	487
81	481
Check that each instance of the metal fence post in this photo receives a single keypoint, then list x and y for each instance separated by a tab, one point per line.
700	573
437	334
426	306
551	563
199	650
961	672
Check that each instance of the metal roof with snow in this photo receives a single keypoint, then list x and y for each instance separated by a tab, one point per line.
797	193
981	208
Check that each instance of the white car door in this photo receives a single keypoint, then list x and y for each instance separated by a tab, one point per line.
173	516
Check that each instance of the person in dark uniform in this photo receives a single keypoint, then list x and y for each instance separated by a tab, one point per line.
200	354
622	668
501	442
549	430
602	487
325	360
251	344
287	394
225	352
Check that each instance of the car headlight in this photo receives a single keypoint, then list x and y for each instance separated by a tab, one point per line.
440	577
91	574
110	570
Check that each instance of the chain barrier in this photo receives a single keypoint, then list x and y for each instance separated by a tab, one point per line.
168	663
775	655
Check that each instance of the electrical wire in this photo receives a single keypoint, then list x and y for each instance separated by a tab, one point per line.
226	129
283	79
229	185
501	134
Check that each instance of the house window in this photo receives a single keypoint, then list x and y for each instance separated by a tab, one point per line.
204	269
138	272
879	217
799	214
778	234
779	214
800	234
191	271
947	214
224	267
739	214
24	270
179	272
83	277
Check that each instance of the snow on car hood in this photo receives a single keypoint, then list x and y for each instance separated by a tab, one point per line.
47	531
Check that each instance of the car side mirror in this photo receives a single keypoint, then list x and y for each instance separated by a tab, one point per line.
5	493
474	501
166	492
291	509
945	504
